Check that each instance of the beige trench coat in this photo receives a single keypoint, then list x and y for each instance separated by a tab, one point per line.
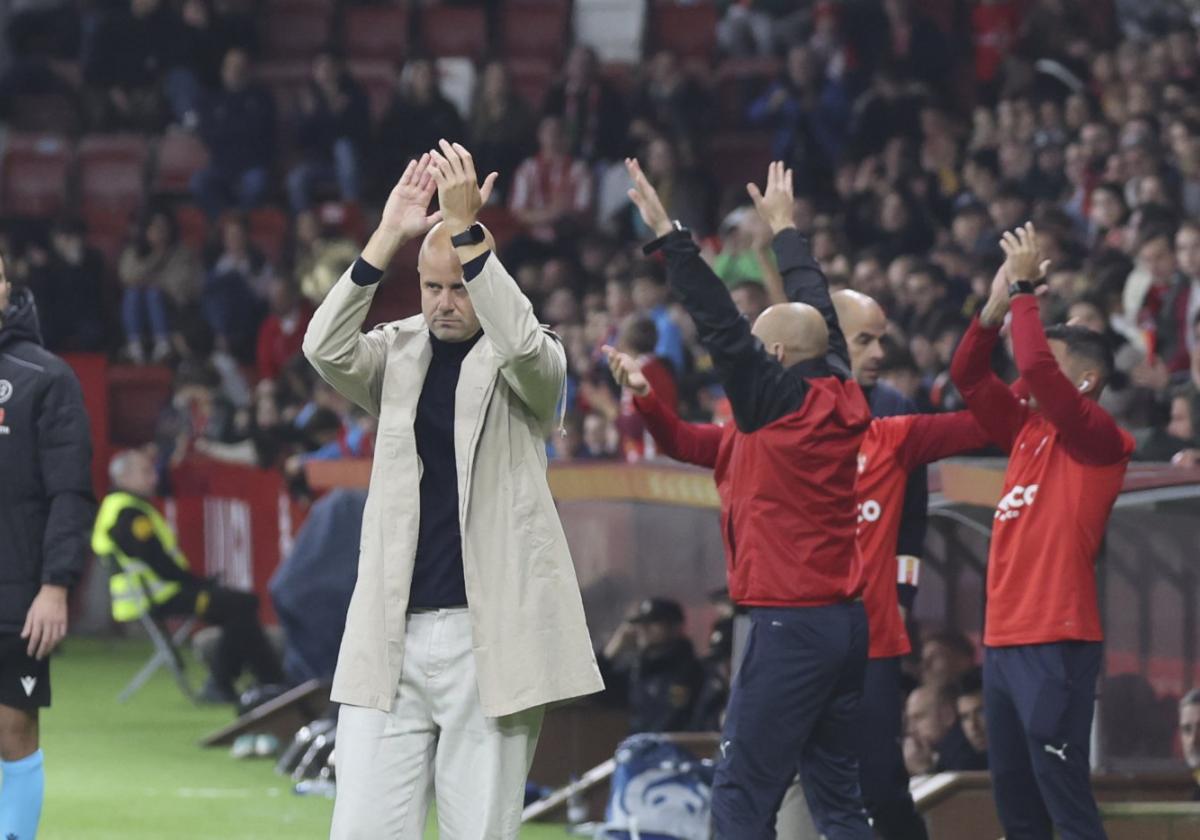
531	640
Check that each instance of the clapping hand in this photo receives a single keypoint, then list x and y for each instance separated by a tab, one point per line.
458	189
406	216
646	199
1023	262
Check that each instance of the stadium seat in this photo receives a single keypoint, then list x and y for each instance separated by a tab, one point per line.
45	113
613	28
689	31
269	231
535	29
33	175
458	31
531	78
737	82
193	227
736	158
295	28
501	222
180	154
376	32
378	79
285	80
112	175
346	216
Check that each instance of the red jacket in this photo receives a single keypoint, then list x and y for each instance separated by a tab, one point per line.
278	341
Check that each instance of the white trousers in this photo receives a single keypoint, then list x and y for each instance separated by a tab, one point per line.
434	741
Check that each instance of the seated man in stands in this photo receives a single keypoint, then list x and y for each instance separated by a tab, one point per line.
965	746
661	678
153	574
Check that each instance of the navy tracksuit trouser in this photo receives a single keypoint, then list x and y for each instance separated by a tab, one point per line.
881	755
1039	701
794	706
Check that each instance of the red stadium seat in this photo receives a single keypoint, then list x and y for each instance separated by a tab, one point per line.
112	175
737	158
535	29
285	80
378	79
193	226
269	231
33	175
180	155
295	28
454	31
689	31
531	78
501	222
346	216
376	32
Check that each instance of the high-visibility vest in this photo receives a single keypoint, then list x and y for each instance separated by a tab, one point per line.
134	586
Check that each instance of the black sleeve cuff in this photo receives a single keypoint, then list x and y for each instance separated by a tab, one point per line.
679	233
365	274
907	595
473	267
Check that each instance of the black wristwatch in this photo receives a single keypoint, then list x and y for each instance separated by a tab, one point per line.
471	236
1021	287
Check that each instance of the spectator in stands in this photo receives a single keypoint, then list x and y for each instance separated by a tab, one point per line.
1152	276
591	111
746	253
122	60
1189	735
66	280
708	713
160	275
650	665
418	116
1181	302
204	36
669	101
1107	217
946	657
332	133
551	193
197	410
502	124
750	298
929	715
650	298
810	116
282	331
964	747
235	289
685	193
638	338
318	255
237	125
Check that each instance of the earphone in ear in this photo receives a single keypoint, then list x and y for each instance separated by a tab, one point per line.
1083	386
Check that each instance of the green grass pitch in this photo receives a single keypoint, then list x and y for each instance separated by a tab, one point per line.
134	772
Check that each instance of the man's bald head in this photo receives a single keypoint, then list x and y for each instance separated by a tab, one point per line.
792	332
445	303
864	324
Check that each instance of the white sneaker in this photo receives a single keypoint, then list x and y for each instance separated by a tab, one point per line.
265	746
243	747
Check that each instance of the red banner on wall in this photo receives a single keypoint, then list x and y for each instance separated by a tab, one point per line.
234	523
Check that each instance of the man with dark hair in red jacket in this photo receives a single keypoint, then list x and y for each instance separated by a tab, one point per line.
1042	634
785	470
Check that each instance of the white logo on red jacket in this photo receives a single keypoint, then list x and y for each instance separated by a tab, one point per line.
869	511
1017	498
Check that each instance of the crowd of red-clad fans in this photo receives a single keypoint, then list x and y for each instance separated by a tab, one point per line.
917	130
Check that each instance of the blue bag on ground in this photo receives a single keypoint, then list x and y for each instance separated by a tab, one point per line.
660	791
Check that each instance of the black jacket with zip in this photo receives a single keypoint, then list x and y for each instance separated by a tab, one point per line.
46	501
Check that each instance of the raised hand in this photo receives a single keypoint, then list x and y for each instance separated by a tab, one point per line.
645	198
1023	261
627	371
776	207
458	189
405	215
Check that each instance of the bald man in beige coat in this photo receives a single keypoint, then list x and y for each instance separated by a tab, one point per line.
466	619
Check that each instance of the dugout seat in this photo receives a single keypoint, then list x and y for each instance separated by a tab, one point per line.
166	643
